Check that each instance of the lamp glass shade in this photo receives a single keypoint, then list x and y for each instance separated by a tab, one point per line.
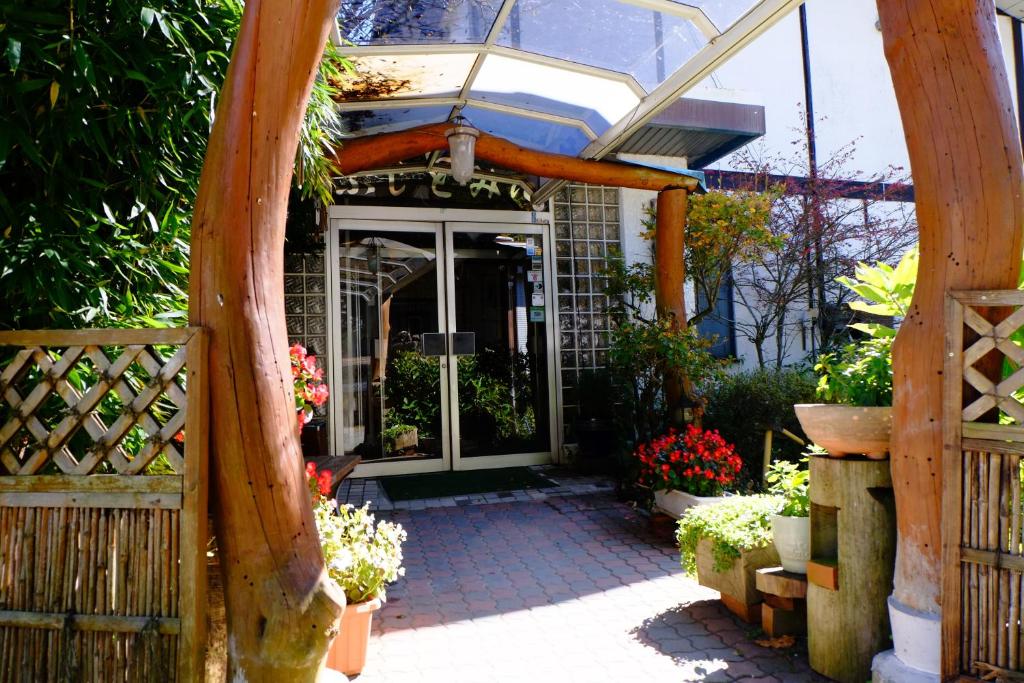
462	145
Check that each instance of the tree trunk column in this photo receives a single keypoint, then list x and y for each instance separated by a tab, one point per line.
669	283
954	98
282	608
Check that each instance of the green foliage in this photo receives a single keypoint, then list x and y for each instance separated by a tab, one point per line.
886	291
393	431
645	347
860	374
361	557
790	481
108	107
736	524
743	406
722	228
485	393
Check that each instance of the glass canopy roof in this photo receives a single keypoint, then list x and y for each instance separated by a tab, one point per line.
566	76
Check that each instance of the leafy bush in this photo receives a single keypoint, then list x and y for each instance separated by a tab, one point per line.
860	374
485	393
887	291
743	406
733	525
790	481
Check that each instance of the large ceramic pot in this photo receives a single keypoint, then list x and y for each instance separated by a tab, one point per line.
674	503
844	430
792	536
347	653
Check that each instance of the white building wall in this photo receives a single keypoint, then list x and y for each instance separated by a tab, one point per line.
853	100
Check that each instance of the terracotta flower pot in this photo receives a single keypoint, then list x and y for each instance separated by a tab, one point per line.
842	430
792	537
347	653
674	503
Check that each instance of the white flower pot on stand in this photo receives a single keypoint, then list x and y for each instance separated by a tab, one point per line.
674	503
792	536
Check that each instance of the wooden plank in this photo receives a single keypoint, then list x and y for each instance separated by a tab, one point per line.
340	466
97	499
782	622
992	432
823	573
989	297
748	613
193	533
952	471
97	337
995	447
777	581
992	558
88	622
95	483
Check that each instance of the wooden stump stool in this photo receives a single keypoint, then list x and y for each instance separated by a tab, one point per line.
853	551
784	610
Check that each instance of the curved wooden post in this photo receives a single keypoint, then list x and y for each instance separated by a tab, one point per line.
378	151
670	279
954	98
281	606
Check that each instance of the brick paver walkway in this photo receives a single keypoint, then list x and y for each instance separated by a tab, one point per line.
564	589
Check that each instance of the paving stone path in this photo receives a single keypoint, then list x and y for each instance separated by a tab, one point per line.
567	588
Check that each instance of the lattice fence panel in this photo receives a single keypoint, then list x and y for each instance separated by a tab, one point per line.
983	505
102	505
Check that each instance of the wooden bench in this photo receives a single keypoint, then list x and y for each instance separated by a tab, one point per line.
340	466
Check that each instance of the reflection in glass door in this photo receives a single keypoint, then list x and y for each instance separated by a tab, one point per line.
391	348
497	322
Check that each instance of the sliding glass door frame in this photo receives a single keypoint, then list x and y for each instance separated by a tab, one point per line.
515	459
444	223
336	335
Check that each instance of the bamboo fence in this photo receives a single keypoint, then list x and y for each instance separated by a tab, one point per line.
102	515
983	511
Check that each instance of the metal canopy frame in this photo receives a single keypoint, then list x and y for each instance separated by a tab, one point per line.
720	46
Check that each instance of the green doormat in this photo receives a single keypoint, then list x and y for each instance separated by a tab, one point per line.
448	484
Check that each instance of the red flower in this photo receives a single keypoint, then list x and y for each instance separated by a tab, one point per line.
323	481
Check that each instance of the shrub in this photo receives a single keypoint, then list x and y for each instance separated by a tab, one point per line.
860	374
733	525
695	461
742	407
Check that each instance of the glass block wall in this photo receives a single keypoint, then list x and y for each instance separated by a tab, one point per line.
587	231
305	303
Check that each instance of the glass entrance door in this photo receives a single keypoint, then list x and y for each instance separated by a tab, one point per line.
391	390
441	349
499	361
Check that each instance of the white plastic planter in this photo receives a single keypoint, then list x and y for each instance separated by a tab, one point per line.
792	536
674	503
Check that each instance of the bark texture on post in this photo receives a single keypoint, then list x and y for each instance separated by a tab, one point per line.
954	98
670	278
281	606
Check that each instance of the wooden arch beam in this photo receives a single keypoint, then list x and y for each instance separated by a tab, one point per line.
386	149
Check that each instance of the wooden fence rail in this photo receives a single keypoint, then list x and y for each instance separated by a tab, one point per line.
102	505
983	517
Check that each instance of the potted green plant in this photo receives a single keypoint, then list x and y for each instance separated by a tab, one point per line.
858	379
399	437
726	543
686	469
791	527
857	385
362	557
